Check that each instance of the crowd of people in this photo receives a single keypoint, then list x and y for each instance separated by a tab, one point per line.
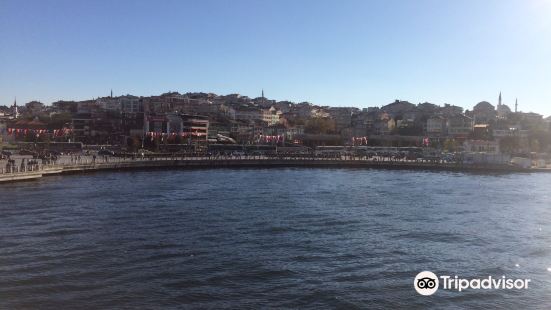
25	165
87	157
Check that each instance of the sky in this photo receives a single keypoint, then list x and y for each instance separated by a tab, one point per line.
340	53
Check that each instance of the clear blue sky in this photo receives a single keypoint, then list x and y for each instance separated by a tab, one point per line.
343	53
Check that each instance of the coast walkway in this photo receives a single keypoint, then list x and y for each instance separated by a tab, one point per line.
26	169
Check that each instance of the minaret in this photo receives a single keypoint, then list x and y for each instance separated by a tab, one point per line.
499	103
262	96
516	104
15	110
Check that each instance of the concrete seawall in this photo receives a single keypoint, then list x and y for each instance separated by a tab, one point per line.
20	176
205	163
274	163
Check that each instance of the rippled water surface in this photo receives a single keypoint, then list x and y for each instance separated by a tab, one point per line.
276	238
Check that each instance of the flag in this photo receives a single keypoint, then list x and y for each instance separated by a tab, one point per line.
426	141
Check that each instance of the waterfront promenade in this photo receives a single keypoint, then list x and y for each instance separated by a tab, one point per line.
71	165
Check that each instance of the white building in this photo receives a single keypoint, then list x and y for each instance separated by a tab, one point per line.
511	132
481	146
271	116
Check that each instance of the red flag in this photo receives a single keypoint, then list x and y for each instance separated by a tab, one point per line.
426	141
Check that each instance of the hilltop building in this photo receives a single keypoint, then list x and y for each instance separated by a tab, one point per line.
484	113
502	110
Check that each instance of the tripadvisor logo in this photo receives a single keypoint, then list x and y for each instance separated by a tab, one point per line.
427	283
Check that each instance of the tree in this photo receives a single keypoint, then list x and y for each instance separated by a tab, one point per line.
133	143
33	108
543	139
450	145
59	120
509	145
320	125
534	145
414	130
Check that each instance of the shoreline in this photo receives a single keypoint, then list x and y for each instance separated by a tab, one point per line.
267	163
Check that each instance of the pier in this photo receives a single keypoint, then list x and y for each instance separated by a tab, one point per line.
87	165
